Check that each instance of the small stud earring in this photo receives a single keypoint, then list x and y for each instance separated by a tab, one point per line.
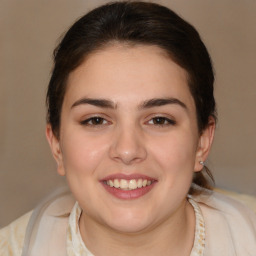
201	162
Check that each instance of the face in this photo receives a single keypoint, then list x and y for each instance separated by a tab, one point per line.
129	142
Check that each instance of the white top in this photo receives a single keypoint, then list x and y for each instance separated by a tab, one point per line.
52	229
76	246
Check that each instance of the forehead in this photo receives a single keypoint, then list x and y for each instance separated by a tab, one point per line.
137	71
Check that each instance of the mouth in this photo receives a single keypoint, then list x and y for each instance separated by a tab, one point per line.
124	184
128	186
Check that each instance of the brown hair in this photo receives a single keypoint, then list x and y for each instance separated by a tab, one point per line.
136	23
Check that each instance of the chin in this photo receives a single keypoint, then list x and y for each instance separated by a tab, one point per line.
129	221
129	226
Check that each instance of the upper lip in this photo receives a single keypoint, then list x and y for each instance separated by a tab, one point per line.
120	176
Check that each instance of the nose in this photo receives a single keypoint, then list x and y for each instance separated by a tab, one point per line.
128	146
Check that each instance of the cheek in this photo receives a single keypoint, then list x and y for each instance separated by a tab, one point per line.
82	154
175	152
175	157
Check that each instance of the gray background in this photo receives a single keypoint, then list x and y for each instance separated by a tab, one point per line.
29	32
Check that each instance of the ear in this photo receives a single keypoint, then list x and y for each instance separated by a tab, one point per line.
56	150
204	144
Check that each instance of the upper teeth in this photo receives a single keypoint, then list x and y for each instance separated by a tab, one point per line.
128	184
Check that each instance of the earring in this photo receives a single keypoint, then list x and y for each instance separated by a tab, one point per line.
201	162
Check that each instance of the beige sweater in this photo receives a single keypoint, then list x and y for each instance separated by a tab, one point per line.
230	227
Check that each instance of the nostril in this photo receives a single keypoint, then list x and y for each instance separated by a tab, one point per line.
127	148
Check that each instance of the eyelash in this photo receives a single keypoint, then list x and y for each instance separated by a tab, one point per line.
100	121
162	121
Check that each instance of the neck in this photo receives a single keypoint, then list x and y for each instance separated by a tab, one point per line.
173	236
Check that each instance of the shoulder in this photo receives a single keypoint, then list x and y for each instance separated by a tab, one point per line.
229	223
227	205
248	200
46	230
12	236
46	223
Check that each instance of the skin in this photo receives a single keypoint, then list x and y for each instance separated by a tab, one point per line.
129	138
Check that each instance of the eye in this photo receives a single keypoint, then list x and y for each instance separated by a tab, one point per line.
161	121
94	121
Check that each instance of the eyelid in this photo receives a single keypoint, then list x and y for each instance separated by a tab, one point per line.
85	121
170	120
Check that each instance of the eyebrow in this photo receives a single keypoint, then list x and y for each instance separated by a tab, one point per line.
157	102
104	103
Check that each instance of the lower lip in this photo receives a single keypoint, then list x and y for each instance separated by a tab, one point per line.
128	194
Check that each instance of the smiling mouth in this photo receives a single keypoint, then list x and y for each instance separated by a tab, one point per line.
128	187
124	184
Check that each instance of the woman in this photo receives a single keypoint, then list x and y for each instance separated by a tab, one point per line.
131	119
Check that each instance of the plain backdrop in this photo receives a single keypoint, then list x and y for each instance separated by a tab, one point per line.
29	32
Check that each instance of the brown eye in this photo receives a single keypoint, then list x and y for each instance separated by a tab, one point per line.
161	121
94	121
